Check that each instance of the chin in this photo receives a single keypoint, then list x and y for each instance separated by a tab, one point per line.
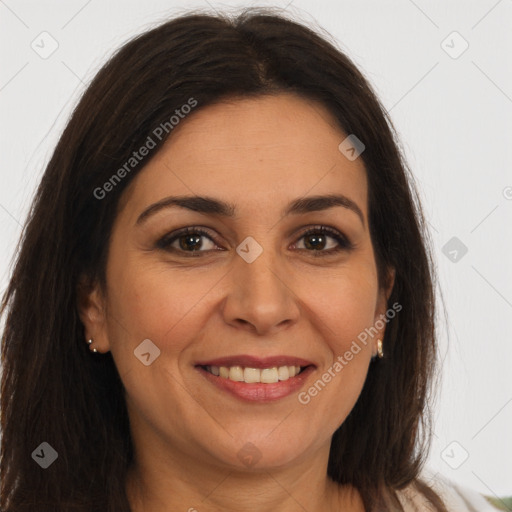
263	452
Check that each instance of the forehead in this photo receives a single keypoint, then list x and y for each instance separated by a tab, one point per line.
277	147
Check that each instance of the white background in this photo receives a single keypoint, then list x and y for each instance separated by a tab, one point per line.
454	117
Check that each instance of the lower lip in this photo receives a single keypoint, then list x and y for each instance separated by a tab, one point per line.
258	392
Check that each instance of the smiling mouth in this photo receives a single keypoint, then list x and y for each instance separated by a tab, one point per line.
249	375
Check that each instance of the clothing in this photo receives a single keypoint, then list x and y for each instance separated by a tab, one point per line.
457	498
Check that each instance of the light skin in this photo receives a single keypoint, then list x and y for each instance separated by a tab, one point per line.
259	154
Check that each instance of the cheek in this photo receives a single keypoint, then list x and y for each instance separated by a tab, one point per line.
346	304
161	304
342	303
343	307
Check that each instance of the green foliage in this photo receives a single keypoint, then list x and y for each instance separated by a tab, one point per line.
501	503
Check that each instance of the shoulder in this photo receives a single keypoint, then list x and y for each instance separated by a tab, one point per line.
456	497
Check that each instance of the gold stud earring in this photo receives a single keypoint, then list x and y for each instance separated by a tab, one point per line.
90	343
380	351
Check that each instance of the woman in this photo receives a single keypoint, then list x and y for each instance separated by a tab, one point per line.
223	298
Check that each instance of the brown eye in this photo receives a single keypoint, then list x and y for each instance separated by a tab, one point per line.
322	239
317	241
187	240
191	241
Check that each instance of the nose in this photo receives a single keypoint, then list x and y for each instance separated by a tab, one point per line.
260	296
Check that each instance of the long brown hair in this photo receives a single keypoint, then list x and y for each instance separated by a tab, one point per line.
54	390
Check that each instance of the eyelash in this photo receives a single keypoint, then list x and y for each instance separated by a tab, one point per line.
167	240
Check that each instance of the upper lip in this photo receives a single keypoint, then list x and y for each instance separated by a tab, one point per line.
248	361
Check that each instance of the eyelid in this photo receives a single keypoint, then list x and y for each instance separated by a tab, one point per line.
344	242
171	237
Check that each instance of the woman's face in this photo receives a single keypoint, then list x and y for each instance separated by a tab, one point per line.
253	291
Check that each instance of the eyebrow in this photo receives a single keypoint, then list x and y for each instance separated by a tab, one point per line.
211	206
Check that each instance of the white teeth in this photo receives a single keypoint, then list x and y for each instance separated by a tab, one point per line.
269	375
253	375
283	373
236	373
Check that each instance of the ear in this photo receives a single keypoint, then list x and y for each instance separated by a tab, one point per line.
91	305
380	320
